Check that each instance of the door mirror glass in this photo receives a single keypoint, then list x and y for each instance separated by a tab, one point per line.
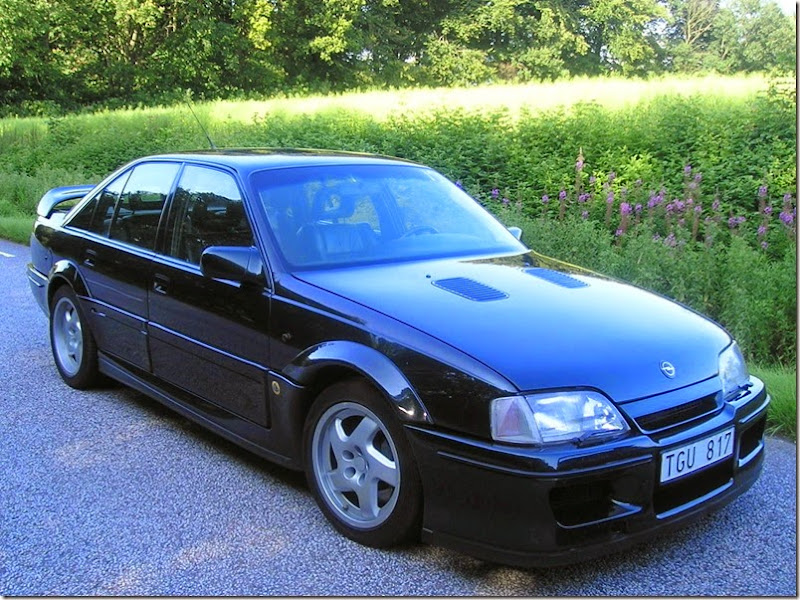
234	263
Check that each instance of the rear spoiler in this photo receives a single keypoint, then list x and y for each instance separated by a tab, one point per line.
56	196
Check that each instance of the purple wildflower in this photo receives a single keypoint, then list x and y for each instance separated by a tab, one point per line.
762	231
698	209
715	205
670	208
698	177
592	180
687	170
768	210
762	191
638	208
735	221
787	197
545	199
505	201
618	233
787	217
612	176
764	245
579	165
670	240
562	195
656	237
625	208
652	202
495	193
692	185
610	197
583	198
585	215
680	205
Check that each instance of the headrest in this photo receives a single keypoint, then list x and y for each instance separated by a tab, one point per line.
336	202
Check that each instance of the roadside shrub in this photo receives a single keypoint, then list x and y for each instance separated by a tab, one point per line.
737	268
686	195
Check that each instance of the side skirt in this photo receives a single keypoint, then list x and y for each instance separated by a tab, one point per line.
266	443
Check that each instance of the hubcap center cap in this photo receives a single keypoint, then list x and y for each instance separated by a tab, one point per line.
360	464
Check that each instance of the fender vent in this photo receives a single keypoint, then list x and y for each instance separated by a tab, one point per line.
556	277
470	289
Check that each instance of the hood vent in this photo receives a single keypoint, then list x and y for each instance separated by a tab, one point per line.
556	277
470	289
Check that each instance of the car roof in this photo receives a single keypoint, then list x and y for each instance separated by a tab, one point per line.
246	160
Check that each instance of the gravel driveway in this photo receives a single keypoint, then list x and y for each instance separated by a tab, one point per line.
106	492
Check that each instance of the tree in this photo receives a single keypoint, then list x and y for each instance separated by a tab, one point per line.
753	35
502	39
26	65
620	34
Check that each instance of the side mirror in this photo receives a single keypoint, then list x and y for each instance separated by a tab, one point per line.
59	195
516	232
235	263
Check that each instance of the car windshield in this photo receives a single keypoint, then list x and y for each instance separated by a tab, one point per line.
342	215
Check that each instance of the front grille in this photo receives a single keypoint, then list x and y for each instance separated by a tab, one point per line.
678	415
752	438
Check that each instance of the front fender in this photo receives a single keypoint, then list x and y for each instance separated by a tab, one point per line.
373	365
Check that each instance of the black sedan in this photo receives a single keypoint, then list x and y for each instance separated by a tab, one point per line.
364	319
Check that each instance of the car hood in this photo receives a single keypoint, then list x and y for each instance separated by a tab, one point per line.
540	323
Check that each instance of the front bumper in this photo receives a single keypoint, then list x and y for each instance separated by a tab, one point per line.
527	506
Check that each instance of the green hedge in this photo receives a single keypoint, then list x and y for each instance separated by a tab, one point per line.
737	145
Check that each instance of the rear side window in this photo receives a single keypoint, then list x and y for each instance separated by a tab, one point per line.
207	211
140	204
96	215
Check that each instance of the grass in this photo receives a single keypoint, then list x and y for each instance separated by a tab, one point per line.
16	228
782	386
609	92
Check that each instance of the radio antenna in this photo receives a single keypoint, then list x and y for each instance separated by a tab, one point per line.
208	137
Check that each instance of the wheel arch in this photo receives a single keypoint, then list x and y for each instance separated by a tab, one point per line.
330	362
65	272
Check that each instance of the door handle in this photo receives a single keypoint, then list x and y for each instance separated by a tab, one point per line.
160	284
89	258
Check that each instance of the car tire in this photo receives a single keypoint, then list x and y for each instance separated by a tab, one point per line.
72	342
360	466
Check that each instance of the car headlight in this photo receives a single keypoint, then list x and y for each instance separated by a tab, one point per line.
554	417
732	370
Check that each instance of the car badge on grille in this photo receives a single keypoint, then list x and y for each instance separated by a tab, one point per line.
668	369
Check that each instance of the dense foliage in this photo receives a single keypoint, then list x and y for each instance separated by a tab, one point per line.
57	54
689	196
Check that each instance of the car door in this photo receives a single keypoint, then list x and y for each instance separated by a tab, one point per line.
115	259
209	336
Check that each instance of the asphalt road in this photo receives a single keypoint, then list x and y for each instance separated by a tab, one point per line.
107	493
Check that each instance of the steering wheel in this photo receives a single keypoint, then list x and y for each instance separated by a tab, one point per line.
418	230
